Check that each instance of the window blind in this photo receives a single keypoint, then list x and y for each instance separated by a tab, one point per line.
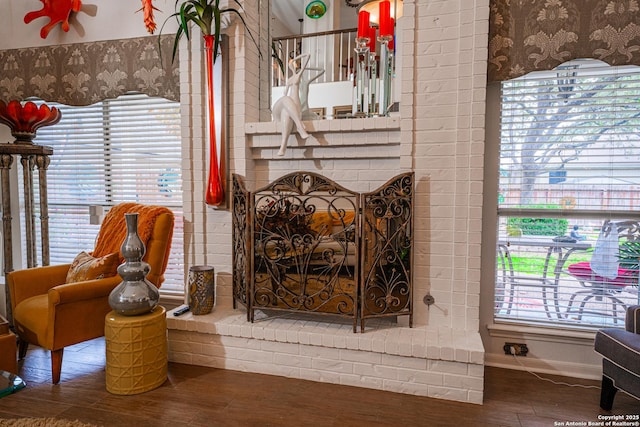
569	160
120	150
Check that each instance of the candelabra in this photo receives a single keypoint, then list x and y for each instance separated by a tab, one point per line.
374	81
361	102
386	73
373	84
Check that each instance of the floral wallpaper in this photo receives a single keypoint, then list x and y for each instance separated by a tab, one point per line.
528	35
85	73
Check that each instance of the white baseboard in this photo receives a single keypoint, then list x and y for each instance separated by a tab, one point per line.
550	367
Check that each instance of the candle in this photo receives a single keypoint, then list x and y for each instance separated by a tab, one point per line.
363	24
393	35
386	28
372	39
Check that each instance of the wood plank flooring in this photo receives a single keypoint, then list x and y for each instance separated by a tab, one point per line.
198	396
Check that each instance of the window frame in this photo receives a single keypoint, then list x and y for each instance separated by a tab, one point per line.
173	287
502	212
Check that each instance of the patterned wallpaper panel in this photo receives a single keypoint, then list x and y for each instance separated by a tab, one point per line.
528	35
85	73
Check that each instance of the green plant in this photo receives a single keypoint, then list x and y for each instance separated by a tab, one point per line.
539	226
629	256
207	15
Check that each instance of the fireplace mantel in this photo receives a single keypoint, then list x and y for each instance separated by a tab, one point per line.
374	137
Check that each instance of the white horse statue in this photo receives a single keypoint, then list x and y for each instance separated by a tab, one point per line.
288	110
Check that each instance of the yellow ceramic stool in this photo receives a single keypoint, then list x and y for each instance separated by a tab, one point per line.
136	351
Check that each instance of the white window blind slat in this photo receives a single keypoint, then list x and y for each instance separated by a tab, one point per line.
122	150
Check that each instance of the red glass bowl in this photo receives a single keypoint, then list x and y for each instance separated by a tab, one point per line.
25	120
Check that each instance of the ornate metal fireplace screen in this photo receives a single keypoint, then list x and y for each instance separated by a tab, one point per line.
306	244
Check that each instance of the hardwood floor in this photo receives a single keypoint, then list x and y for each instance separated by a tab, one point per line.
198	396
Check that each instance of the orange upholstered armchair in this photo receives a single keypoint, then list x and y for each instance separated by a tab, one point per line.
57	306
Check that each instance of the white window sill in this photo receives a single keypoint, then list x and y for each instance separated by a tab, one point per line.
550	334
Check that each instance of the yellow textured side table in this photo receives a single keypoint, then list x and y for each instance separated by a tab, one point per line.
136	351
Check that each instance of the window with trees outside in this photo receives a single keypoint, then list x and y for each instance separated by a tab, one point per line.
120	150
569	196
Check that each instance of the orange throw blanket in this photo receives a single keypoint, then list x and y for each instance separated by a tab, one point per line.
114	227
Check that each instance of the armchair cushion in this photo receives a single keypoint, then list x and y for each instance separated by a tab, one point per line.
33	327
85	267
621	348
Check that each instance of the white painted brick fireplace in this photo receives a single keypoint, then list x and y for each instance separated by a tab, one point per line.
439	134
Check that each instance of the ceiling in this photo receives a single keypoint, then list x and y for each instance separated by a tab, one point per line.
288	12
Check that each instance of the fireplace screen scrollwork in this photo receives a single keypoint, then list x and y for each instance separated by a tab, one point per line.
387	246
306	244
240	237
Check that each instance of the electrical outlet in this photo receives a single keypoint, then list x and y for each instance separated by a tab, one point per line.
515	349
